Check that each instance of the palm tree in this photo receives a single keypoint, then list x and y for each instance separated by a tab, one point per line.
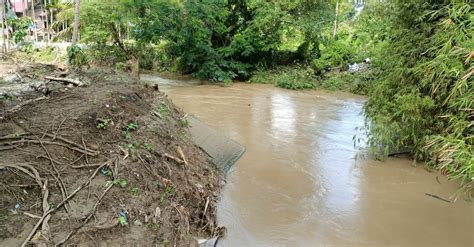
63	19
77	12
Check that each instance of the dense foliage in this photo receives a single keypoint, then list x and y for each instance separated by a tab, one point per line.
20	28
423	100
218	40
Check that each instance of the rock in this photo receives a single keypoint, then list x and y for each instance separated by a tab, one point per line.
137	223
208	242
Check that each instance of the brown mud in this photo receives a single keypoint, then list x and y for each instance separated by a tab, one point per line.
107	161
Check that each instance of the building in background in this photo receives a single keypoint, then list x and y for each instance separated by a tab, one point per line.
19	6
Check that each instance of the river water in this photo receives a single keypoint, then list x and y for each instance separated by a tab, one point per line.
302	182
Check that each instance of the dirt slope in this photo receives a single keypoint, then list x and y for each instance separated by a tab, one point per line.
110	162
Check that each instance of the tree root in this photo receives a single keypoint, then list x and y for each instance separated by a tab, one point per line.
50	143
47	211
19	106
94	209
77	147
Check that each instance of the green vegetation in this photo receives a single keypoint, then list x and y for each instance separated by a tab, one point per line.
424	95
167	193
20	27
135	191
418	82
163	109
211	39
103	123
76	56
122	183
131	127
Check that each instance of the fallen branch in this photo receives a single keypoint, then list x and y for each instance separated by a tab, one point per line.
50	143
32	215
180	152
47	213
11	147
72	143
87	219
32	172
86	166
438	197
59	179
75	82
19	106
169	156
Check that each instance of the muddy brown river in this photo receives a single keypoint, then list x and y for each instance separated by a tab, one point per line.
302	182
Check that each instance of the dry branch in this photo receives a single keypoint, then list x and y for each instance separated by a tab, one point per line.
76	81
47	213
178	160
50	143
19	106
181	153
87	219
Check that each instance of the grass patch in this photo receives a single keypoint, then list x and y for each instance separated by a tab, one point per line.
356	83
302	77
289	77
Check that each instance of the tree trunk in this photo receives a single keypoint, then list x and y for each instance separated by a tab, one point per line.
46	29
77	12
3	5
25	7
335	20
51	20
33	15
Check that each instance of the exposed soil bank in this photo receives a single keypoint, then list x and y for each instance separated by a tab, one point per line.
110	161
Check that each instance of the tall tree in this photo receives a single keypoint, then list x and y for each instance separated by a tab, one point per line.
77	12
3	13
25	7
33	16
335	20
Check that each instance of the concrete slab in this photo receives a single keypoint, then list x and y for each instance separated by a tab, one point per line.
223	150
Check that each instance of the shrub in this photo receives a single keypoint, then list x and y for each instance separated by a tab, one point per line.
424	98
20	28
76	56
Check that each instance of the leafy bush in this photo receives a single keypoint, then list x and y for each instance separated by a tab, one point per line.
225	40
20	28
290	81
289	77
336	53
425	96
121	67
76	56
357	83
27	47
319	66
264	76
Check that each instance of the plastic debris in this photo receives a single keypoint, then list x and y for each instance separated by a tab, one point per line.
14	210
123	218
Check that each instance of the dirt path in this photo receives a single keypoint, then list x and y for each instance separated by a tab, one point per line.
110	161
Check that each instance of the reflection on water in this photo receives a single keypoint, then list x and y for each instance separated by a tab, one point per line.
302	183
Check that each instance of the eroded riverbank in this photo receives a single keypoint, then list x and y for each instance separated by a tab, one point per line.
302	182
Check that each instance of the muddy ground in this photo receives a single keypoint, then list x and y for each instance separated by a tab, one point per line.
98	159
